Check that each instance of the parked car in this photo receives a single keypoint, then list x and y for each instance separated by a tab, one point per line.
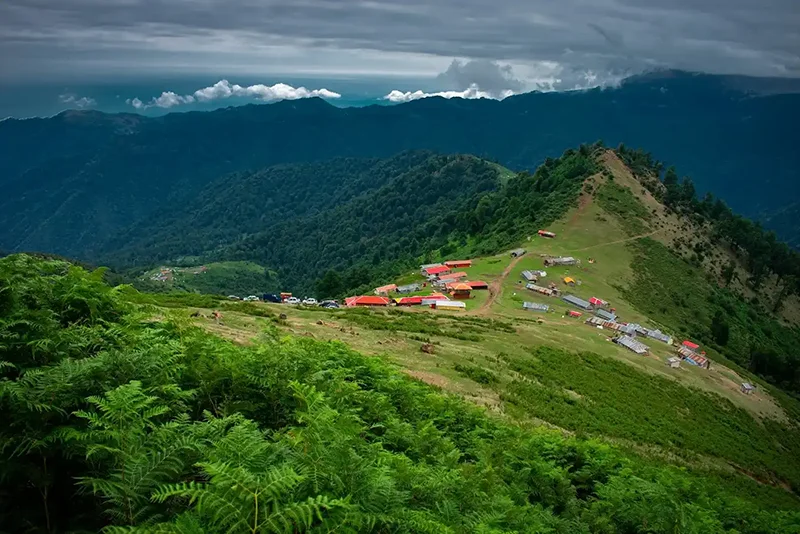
308	301
251	298
293	300
271	297
233	297
329	304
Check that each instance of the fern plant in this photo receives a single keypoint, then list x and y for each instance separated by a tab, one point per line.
133	452
247	488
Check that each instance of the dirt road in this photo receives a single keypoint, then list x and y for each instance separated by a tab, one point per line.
495	287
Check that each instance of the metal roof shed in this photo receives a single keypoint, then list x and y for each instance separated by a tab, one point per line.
530	276
607	315
535	306
631	344
579	302
517	252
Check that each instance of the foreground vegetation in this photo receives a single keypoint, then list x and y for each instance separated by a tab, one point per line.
119	422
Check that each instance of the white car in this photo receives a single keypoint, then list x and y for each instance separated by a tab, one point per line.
251	298
293	300
308	301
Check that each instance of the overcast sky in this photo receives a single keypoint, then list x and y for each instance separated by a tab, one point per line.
501	45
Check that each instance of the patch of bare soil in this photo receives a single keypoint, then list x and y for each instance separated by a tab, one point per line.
429	378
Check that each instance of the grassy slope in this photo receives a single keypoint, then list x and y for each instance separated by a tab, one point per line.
689	416
242	278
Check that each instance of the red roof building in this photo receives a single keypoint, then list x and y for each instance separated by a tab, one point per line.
453	276
478	284
573	313
691	346
460	290
408	301
459	263
438	270
597	302
366	300
546	233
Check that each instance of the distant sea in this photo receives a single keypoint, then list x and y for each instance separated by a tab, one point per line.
22	100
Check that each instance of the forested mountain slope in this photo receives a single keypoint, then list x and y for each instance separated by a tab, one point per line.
380	220
77	179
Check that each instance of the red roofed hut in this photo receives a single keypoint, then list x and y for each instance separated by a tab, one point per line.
573	313
460	291
546	233
597	302
453	276
438	270
478	284
366	300
691	346
408	301
459	263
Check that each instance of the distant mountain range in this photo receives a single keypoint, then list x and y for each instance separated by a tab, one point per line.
75	182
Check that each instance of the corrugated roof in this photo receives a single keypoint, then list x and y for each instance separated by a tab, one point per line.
453	276
408	288
529	275
386	288
607	315
460	287
450	304
535	306
579	302
408	301
437	269
518	252
690	345
477	284
458	263
366	300
631	344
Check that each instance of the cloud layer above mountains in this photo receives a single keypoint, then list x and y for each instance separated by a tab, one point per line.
506	45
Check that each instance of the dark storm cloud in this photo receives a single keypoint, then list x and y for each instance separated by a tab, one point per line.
563	39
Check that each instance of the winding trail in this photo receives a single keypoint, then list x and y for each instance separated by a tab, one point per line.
496	286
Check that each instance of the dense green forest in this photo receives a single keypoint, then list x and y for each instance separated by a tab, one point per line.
115	421
76	180
448	203
240	204
357	223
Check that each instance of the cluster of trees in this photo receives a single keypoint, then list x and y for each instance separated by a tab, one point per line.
119	423
760	249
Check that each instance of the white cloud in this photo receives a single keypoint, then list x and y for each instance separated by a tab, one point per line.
279	91
81	102
135	102
471	93
224	89
169	99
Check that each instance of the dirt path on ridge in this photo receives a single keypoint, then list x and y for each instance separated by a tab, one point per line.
496	286
634	238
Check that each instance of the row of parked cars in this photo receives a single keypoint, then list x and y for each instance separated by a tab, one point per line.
308	301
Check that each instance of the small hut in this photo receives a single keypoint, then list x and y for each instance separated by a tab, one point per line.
460	290
747	388
674	362
517	252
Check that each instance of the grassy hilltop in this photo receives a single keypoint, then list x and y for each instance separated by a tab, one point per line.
147	415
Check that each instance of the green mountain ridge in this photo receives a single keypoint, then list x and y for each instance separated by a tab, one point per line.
76	180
